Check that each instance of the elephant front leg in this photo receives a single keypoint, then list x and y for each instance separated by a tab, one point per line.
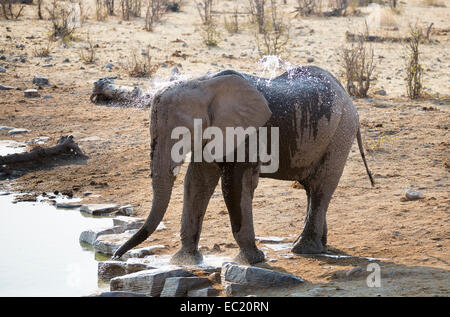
238	184
199	184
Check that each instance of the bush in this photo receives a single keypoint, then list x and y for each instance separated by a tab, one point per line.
43	51
275	33
210	35
141	66
87	54
414	70
204	8
154	13
63	26
11	10
232	26
358	66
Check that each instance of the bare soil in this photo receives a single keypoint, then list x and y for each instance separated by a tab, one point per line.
407	144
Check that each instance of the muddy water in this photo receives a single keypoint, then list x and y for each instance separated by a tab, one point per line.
40	254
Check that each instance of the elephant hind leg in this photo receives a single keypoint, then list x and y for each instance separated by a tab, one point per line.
320	187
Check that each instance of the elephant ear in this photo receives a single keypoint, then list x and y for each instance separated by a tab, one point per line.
235	103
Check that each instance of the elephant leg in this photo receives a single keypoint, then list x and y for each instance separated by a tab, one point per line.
238	185
320	187
199	184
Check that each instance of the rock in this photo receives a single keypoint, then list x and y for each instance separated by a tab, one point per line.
109	243
231	289
17	131
118	294
67	205
179	286
137	267
2	70
149	282
270	239
413	194
3	128
38	140
355	272
203	292
109	66
66	60
90	236
381	92
3	87
126	210
99	209
40	81
251	276
310	59
31	93
110	269
142	252
128	223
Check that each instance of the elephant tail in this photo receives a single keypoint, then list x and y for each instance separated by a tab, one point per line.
361	150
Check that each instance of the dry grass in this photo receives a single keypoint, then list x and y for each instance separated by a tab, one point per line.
141	65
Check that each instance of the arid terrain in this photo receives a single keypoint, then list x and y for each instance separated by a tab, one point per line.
407	141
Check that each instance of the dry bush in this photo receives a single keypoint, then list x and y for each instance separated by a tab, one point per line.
275	33
62	25
308	7
154	12
87	53
204	8
232	26
414	70
130	8
101	9
11	10
257	13
434	3
210	35
43	51
358	65
141	65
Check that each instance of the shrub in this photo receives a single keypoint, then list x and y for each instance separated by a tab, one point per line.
87	53
154	13
308	7
232	26
358	66
275	33
43	51
204	8
210	35
141	66
11	10
60	16
414	70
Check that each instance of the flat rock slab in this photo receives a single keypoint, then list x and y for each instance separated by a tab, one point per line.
90	236
142	252
18	131
118	294
127	210
270	239
128	223
204	292
41	81
111	269
255	277
109	243
148	282
4	87
99	209
67	205
179	286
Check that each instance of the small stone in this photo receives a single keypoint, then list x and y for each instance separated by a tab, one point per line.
179	286
310	59
381	92
149	282
31	93
67	205
99	209
126	210
128	223
41	81
109	66
142	252
109	243
413	194
17	131
2	70
66	60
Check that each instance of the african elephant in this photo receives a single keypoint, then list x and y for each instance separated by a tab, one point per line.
317	124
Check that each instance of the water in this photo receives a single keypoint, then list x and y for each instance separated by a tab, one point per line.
40	254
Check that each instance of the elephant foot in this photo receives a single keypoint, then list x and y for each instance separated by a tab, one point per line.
308	246
183	257
249	257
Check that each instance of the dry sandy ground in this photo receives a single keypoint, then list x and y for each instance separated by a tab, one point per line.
409	142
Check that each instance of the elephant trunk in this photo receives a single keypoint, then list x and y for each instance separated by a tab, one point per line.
162	190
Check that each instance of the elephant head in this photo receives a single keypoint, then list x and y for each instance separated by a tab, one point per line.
223	101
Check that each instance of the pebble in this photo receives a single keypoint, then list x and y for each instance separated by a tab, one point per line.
413	194
40	81
3	87
2	70
17	131
31	93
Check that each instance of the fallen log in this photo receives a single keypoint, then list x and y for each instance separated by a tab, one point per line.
105	91
65	145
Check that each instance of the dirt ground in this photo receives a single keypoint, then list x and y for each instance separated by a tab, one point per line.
407	143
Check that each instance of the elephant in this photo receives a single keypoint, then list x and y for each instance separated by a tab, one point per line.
317	124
